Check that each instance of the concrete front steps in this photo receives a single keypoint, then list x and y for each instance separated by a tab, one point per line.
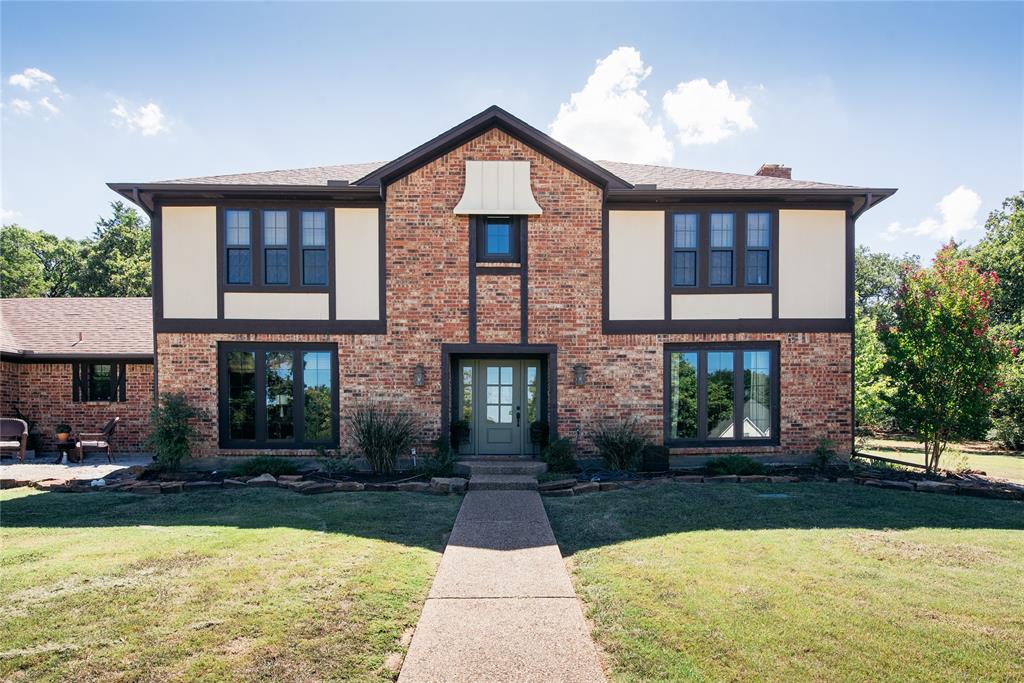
501	474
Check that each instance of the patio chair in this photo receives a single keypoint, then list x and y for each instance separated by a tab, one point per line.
14	434
99	441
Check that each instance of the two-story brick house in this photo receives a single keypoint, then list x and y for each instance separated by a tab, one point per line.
494	275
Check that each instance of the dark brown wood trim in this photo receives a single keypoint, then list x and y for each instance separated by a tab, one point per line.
605	265
382	264
243	326
70	358
524	281
701	348
483	270
471	226
725	326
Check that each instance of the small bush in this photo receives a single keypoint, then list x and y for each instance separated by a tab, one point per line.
264	464
824	453
620	444
558	456
540	433
62	428
333	463
459	433
439	463
382	434
173	430
733	464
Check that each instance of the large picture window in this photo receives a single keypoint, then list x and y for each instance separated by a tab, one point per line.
278	395
717	394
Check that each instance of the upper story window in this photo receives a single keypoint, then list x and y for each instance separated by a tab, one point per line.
759	240
278	249
275	247
722	241
684	249
498	238
314	247
239	246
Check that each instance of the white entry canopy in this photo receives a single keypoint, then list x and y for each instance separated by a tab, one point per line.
498	187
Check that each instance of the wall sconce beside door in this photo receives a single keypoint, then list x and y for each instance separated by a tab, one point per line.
419	375
579	374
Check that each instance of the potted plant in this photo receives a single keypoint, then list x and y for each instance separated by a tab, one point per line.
63	432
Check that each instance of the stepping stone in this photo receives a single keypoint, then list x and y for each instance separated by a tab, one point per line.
264	480
556	484
502	482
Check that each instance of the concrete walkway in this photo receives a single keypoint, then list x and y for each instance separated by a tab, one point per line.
94	467
502	607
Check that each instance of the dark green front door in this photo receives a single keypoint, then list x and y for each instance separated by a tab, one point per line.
499	398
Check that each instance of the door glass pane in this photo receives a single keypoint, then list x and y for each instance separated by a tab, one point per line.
683	396
720	395
498	395
280	424
532	395
316	389
467	393
241	395
756	394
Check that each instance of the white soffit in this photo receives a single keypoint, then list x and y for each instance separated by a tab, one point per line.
498	187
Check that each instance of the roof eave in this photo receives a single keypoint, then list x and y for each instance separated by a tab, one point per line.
782	194
50	357
145	194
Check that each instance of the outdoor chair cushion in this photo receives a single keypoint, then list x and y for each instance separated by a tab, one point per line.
10	444
93	444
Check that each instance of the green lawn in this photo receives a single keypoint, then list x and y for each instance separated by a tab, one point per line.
228	585
976	455
835	582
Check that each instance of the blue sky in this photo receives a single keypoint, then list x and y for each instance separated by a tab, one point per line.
923	97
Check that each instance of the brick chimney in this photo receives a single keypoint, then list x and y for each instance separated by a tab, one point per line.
775	171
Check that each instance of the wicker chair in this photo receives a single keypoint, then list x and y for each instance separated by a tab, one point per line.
14	434
99	441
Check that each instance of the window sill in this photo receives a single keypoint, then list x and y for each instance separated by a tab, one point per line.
498	264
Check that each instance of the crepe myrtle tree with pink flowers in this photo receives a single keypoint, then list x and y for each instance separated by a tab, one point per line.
942	357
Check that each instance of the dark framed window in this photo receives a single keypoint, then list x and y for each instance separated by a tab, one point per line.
98	381
498	238
758	248
721	243
717	395
278	395
314	247
685	227
275	247
238	242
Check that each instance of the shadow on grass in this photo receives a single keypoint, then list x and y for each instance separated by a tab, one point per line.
410	519
607	518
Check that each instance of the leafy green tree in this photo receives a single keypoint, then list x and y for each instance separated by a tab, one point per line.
872	385
942	357
876	280
1008	406
1001	250
117	257
36	263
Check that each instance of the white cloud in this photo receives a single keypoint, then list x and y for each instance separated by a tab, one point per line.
959	213
21	106
147	119
706	113
48	106
7	215
32	77
610	117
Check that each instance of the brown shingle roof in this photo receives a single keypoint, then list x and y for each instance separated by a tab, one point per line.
672	178
665	177
77	326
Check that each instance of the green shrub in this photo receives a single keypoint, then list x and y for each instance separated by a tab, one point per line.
824	453
733	464
382	433
540	433
620	444
441	462
459	433
1008	409
333	463
273	465
62	428
558	456
173	432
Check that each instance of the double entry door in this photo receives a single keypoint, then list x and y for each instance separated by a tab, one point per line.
500	399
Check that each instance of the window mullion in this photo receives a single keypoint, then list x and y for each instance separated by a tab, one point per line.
261	396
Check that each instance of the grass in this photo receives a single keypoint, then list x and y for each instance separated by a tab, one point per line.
976	455
214	586
834	582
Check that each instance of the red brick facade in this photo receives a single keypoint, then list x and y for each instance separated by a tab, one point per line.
43	393
427	295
